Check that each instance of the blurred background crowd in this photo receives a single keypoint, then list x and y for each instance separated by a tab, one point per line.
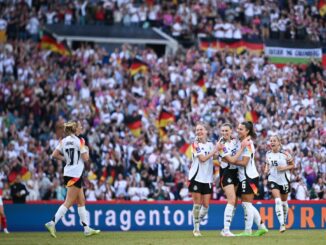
40	90
185	20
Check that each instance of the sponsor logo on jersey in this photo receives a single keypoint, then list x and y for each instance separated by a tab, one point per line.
198	149
225	150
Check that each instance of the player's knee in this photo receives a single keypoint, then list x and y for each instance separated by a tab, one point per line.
232	201
81	202
278	201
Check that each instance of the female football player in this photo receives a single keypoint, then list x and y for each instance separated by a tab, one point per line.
201	175
74	152
278	166
3	219
248	178
228	175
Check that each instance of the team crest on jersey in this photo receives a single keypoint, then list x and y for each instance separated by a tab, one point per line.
195	188
225	150
198	149
229	180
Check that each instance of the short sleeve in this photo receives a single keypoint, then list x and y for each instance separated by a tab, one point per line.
196	150
59	147
83	148
224	152
247	152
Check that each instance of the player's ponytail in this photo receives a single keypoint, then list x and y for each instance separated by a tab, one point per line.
251	130
70	127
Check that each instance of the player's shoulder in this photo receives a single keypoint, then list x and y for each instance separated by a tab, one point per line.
282	152
269	152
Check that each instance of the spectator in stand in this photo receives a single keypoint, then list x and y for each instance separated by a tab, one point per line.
18	191
96	87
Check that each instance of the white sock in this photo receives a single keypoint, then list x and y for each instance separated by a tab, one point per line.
257	218
279	210
228	215
195	216
249	216
233	212
62	210
202	213
285	206
83	217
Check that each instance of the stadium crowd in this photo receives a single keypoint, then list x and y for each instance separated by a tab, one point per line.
185	20
40	90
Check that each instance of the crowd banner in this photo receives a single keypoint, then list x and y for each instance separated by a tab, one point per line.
162	215
292	52
279	52
238	46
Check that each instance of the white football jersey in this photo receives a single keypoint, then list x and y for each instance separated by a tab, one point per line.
72	147
230	148
274	160
249	171
202	171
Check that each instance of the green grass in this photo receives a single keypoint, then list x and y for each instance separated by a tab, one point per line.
290	237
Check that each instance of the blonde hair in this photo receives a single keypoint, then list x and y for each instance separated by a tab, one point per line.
278	139
70	127
205	126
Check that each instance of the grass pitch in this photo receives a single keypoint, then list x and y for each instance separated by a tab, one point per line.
290	237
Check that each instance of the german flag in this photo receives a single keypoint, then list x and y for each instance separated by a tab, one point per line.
201	81
240	46
184	148
164	84
138	66
49	42
134	124
205	44
322	7
163	133
104	175
252	116
19	170
165	118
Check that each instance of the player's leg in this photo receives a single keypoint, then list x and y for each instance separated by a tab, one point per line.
196	197
248	213
83	214
278	208
258	221
285	207
72	193
3	219
236	199
230	193
205	205
194	189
